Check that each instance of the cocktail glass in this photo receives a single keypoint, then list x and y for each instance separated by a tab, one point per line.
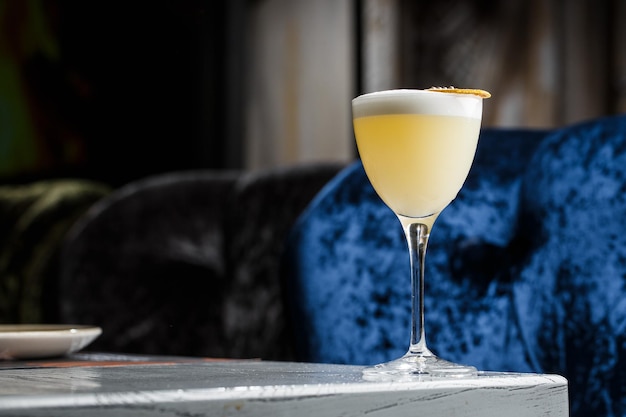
417	147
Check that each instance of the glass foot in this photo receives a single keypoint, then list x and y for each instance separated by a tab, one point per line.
415	367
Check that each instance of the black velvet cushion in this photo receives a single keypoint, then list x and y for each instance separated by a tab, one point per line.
262	209
525	271
147	265
187	263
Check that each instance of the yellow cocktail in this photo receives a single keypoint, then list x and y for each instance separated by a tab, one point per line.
417	162
417	147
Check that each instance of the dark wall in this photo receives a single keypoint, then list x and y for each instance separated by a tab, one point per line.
137	87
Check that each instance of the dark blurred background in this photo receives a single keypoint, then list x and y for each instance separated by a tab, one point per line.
115	90
119	90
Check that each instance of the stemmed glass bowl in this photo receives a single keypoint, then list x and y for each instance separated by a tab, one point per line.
417	147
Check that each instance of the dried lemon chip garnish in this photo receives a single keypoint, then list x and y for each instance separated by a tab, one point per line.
476	92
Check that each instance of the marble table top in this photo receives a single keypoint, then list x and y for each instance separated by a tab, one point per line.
101	386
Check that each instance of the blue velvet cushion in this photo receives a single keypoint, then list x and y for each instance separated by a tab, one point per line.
525	270
570	291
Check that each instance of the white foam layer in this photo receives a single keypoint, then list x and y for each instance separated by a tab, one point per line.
417	102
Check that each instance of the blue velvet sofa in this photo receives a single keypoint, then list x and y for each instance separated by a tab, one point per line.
525	270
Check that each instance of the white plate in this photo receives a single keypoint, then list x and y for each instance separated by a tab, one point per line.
28	341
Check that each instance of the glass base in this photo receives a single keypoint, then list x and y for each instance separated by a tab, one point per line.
415	367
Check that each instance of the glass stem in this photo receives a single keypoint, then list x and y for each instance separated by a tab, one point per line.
417	235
